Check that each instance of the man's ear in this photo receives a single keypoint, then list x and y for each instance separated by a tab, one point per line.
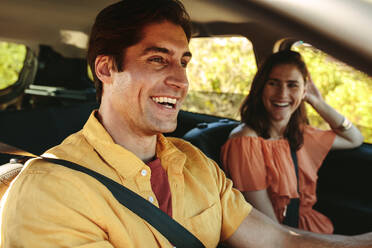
103	68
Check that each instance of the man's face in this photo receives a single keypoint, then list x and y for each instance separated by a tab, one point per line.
148	93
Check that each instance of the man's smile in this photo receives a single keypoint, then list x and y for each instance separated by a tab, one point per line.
167	102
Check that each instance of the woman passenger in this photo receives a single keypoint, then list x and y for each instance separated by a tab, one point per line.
257	155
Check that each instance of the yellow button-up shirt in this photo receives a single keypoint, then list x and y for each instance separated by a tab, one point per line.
49	205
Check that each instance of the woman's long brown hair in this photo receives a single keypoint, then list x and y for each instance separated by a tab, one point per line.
253	112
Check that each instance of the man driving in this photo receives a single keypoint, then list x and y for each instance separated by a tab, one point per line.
138	53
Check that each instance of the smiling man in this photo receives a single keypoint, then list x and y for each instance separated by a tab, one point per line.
145	97
138	52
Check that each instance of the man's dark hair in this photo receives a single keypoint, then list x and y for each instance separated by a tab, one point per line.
253	112
120	26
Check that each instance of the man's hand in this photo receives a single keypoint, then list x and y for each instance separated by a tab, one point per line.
258	231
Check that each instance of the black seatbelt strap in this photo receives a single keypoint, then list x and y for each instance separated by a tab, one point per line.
292	212
176	234
172	230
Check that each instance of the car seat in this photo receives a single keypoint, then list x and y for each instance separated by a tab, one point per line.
7	173
209	137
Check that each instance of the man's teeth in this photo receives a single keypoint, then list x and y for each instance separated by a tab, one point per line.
165	100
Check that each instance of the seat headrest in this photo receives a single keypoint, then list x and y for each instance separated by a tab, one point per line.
209	137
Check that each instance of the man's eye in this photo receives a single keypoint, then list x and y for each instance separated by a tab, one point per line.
159	60
184	63
292	85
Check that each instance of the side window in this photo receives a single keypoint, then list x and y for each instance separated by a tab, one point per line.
343	87
12	58
220	74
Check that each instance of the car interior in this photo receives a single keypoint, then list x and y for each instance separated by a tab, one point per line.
58	95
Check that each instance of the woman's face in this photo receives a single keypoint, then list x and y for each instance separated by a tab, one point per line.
283	92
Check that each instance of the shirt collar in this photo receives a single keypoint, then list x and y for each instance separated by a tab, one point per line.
124	161
170	156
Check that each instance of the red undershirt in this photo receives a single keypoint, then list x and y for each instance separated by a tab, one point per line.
160	186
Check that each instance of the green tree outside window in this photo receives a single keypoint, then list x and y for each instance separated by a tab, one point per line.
12	57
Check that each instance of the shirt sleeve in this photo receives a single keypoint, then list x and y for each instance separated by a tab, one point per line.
45	209
317	144
234	207
243	161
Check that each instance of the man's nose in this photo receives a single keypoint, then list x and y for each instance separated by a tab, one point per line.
177	78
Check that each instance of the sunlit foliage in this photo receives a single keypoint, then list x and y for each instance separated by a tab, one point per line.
12	57
224	65
344	88
220	74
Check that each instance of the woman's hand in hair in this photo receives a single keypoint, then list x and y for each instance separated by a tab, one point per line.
312	94
345	138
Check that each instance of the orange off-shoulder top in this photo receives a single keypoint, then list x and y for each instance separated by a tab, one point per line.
254	163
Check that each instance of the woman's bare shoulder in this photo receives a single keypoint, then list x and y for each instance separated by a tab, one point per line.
241	131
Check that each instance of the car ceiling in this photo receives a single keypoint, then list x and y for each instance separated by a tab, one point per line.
340	28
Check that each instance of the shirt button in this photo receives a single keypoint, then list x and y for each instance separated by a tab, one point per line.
144	172
151	199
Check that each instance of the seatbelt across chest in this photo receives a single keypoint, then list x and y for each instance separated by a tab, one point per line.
176	234
293	208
